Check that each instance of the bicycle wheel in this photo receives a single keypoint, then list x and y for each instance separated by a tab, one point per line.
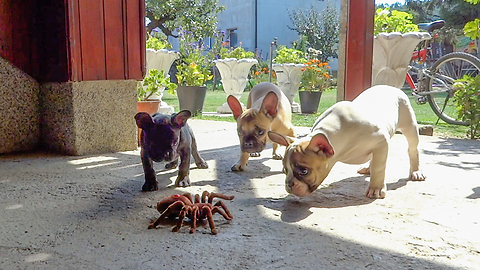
444	72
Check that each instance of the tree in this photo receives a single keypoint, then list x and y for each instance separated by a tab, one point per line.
455	13
197	16
318	30
472	28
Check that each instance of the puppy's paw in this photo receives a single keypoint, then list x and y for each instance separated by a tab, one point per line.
150	186
171	165
185	182
375	193
202	165
256	154
237	168
364	170
417	176
277	157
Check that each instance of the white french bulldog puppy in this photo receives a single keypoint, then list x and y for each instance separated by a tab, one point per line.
354	133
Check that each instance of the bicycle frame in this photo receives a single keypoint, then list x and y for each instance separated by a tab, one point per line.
423	73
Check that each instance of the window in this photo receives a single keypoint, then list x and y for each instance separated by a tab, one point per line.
232	37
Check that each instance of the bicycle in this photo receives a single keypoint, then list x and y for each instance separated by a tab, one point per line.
435	84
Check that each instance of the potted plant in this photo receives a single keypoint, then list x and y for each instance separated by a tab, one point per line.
160	57
315	79
153	84
288	68
234	65
193	71
396	37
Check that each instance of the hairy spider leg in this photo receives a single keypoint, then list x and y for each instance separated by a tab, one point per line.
165	213
193	217
224	212
181	217
210	219
219	195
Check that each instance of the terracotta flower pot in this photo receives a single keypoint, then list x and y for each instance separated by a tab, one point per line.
149	106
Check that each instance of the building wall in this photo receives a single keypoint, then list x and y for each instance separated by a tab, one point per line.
272	21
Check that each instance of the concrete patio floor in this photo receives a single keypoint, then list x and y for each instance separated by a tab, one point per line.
88	212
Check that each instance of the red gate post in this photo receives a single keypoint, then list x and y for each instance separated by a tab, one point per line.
358	47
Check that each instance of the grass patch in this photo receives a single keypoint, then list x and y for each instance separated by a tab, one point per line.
424	113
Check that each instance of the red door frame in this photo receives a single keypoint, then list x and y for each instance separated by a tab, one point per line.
359	47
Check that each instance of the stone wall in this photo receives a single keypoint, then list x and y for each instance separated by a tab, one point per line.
19	113
79	118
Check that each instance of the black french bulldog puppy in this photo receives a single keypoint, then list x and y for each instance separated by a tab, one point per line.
166	138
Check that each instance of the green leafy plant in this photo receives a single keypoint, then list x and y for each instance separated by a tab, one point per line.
153	83
286	55
467	99
261	73
157	43
238	52
393	21
195	63
192	75
315	76
471	29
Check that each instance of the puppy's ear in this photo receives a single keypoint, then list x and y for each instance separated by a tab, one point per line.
319	143
270	104
144	120
235	106
180	119
280	139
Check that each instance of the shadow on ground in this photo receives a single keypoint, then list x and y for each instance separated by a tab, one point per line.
89	212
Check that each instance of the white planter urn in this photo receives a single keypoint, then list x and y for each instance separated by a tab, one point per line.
392	53
289	77
161	60
234	73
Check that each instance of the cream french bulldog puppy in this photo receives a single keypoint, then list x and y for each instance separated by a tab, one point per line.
354	133
267	109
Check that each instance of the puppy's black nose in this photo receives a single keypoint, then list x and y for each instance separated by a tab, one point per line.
248	144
